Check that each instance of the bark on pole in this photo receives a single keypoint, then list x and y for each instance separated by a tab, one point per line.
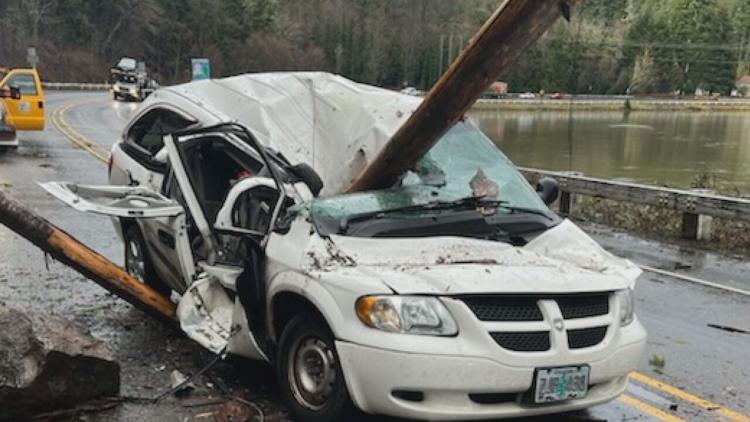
66	249
512	28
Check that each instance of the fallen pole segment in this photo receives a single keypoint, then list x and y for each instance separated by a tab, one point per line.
66	249
499	43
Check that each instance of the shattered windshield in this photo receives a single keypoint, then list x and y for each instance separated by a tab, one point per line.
464	164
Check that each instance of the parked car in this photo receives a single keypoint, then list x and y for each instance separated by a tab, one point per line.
455	294
27	111
527	96
556	96
497	89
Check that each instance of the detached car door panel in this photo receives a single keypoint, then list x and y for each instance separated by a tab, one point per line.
115	201
140	204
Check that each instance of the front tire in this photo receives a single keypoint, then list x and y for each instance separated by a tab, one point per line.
309	374
137	261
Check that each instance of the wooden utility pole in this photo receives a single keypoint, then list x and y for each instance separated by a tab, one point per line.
66	249
512	28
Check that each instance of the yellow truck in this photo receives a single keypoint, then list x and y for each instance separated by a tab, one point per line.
24	112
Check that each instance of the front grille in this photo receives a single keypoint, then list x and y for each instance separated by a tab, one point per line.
531	341
573	307
508	308
586	337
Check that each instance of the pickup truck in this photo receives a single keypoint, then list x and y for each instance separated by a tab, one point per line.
454	294
25	109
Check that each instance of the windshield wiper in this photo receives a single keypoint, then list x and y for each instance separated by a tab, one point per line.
525	210
482	202
429	206
475	202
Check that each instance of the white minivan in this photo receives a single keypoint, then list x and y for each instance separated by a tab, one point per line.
454	294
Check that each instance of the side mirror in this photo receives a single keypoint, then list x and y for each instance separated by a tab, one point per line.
308	176
10	92
547	189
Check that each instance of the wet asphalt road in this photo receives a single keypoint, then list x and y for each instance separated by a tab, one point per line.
708	367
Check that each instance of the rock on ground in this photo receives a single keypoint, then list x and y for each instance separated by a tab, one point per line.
46	364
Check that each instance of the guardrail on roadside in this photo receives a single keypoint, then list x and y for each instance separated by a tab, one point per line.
698	206
74	86
613	104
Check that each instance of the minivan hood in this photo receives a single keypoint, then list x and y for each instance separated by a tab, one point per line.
564	259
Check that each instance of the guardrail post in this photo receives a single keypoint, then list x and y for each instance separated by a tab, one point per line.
568	200
697	226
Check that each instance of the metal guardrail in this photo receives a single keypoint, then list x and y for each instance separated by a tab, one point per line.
74	86
620	102
614	103
695	205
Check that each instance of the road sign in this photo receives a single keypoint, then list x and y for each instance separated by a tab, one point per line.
201	69
32	57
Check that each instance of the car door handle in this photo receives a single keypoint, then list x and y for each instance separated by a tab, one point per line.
166	238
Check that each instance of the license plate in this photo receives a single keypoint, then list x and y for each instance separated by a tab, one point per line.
558	384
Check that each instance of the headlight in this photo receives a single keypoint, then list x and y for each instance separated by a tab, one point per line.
406	314
627	305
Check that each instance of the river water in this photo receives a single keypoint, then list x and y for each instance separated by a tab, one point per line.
670	148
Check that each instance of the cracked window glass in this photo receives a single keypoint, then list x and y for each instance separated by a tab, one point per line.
464	163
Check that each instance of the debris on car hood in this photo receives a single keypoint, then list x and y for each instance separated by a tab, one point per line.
563	258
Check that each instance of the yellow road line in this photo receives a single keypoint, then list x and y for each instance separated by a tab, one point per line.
651	410
693	399
74	136
58	120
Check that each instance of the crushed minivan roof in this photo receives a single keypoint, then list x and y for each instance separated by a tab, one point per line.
332	123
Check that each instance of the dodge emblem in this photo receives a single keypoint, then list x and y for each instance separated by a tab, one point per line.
558	324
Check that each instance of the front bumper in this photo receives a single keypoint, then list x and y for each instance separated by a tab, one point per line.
8	136
446	382
126	91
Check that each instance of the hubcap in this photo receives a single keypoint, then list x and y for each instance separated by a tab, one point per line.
134	261
312	372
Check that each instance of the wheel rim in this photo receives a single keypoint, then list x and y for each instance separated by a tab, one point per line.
312	372
134	261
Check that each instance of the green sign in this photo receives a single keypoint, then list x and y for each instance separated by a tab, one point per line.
201	69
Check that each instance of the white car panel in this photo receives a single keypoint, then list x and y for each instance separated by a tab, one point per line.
117	201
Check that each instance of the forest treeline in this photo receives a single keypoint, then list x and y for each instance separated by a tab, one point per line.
609	46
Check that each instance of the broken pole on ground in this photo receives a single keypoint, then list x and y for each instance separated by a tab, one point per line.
515	26
66	249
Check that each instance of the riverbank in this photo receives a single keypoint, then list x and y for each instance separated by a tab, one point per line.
614	103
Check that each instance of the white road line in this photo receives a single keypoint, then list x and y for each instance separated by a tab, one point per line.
695	280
